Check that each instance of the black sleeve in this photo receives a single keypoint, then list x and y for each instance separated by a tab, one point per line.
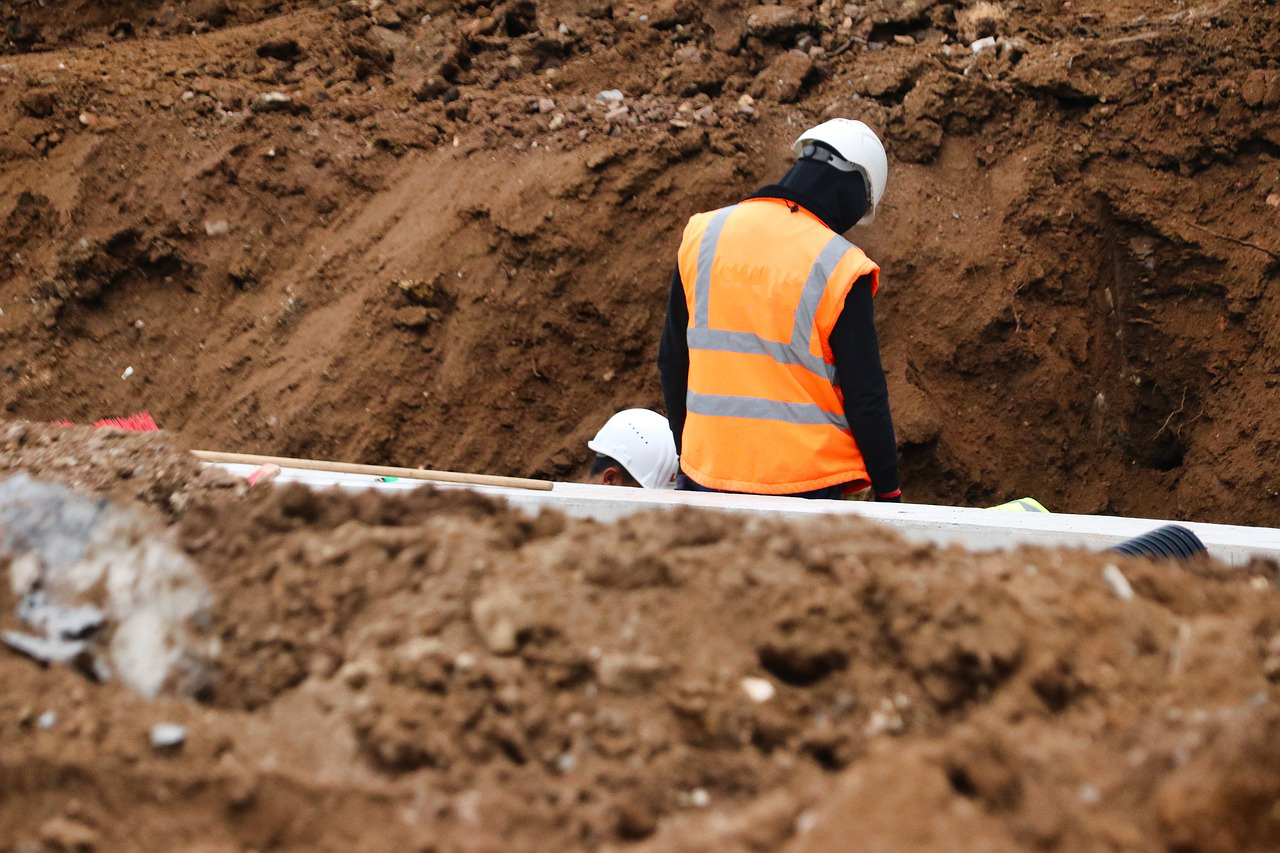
866	393
673	358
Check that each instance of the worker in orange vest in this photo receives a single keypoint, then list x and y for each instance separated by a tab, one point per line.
769	361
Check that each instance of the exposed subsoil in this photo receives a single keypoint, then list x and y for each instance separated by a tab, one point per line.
436	672
412	232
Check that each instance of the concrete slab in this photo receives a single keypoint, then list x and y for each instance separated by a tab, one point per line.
975	529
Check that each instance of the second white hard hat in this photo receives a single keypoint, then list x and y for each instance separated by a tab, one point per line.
859	145
641	440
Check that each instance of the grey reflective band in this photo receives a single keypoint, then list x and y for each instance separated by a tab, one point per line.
706	256
758	408
746	343
814	288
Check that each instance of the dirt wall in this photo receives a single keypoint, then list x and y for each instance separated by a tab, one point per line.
440	247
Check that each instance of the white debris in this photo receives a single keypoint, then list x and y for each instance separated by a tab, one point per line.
983	44
1114	578
698	798
1090	795
267	102
758	689
47	720
168	735
128	371
806	822
65	548
557	122
610	95
216	228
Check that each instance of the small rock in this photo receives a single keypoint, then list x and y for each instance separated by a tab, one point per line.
216	228
983	44
1274	199
688	54
168	736
1119	584
271	102
388	38
1261	88
698	798
431	88
387	17
777	23
413	317
705	115
40	103
47	720
424	292
617	115
67	835
557	122
623	673
903	40
498	619
610	96
546	105
758	689
784	79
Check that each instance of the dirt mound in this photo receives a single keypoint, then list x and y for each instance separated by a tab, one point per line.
440	234
436	670
154	469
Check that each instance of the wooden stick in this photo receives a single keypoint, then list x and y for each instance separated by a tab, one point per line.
375	470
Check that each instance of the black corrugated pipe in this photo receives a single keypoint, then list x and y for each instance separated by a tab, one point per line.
1169	542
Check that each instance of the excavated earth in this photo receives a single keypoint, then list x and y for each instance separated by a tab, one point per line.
441	234
436	672
415	232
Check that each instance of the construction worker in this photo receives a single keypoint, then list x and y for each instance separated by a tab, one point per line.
769	361
634	448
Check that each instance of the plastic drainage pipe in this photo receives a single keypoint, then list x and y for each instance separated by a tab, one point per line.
1169	542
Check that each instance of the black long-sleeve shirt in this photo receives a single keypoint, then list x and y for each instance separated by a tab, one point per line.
857	355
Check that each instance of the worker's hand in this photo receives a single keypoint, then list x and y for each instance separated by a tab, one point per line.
892	497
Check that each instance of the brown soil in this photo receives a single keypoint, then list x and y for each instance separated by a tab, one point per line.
436	672
443	249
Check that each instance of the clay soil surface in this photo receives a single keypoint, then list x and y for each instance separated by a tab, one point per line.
415	232
435	672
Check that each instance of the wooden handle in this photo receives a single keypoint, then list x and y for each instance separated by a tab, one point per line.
374	470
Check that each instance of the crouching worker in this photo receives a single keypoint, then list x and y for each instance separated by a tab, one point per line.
634	448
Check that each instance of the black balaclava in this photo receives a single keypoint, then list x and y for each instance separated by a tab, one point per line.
837	198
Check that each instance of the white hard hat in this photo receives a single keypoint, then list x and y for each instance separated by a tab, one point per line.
641	440
857	144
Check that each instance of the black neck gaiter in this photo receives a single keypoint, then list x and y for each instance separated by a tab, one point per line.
838	198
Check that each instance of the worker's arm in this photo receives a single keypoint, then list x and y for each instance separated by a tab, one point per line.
673	358
866	393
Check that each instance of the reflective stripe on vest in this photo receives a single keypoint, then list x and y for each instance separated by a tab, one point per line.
795	353
725	406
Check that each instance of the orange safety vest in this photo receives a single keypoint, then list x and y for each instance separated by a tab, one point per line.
765	281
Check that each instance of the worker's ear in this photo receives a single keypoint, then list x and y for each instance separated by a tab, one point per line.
612	476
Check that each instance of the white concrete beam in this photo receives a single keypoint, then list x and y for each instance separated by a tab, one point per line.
975	529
